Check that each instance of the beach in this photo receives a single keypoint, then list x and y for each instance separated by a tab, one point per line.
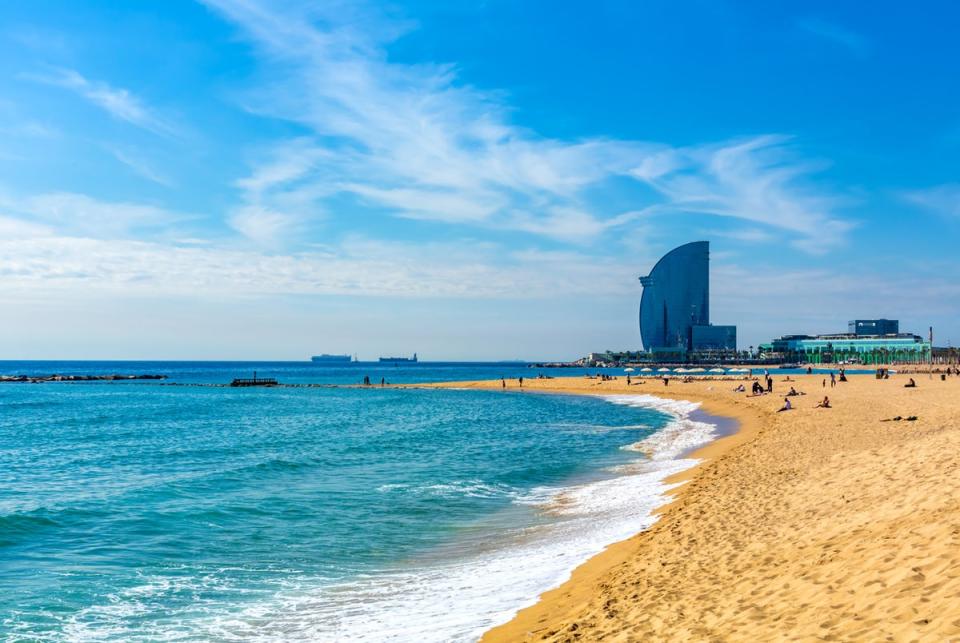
833	524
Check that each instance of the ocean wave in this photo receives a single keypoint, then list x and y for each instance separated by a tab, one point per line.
681	435
456	488
17	527
459	599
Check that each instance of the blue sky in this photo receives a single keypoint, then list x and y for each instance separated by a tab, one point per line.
468	180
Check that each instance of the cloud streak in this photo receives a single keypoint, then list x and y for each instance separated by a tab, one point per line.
943	200
851	40
79	215
117	102
414	141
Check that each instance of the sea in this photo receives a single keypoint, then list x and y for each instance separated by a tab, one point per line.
183	509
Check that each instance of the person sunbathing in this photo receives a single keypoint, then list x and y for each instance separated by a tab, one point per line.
910	384
825	404
786	405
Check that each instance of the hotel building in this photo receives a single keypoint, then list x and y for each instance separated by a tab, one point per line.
675	305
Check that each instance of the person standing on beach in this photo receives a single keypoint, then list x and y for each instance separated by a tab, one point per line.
769	384
521	382
503	382
833	379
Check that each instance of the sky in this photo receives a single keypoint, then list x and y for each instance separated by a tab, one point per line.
482	179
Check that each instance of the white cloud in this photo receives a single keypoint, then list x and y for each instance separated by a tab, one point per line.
116	101
941	199
69	213
12	228
262	225
412	140
757	180
837	34
141	167
360	267
278	201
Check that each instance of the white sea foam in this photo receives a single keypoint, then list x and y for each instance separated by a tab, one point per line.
456	488
680	436
458	600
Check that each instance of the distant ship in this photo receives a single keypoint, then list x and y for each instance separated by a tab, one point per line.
325	358
406	360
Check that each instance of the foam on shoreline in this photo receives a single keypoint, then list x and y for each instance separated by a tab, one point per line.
460	599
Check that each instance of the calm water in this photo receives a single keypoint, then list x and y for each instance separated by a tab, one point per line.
137	510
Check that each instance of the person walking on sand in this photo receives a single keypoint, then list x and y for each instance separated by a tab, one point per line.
521	382
503	382
833	379
769	384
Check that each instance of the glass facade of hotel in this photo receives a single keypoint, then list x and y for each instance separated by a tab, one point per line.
714	338
676	296
828	349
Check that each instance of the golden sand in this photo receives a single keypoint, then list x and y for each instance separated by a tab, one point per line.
810	524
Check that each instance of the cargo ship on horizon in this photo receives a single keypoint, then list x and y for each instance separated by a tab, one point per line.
337	359
404	360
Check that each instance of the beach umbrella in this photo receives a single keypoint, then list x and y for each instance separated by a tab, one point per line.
716	370
697	370
646	369
628	370
680	370
663	370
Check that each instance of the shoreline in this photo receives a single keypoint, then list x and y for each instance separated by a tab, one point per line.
733	427
817	523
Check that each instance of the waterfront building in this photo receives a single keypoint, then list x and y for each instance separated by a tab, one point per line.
852	348
714	338
874	327
675	305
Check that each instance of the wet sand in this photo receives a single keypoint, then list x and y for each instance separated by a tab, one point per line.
810	524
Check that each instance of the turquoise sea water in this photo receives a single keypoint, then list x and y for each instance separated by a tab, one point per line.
144	511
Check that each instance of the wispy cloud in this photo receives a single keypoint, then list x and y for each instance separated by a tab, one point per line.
855	42
141	167
358	267
941	199
759	180
118	102
73	214
31	129
414	141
